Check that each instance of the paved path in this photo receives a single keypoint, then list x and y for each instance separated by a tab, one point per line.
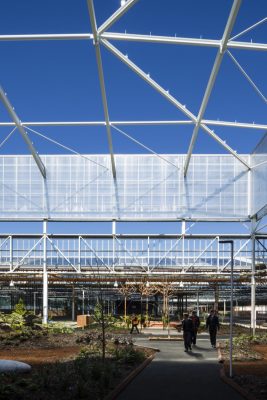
176	375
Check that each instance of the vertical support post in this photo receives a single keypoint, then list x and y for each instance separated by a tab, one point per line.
11	252
113	244
34	302
83	301
79	254
125	308
73	304
253	282
231	312
216	297
148	255
231	242
183	233
224	307
45	276
218	254
198	303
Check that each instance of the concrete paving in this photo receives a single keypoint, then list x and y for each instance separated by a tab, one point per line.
174	374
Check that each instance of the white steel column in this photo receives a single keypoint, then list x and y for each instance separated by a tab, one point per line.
45	276
113	244
214	72
183	229
253	283
11	252
73	304
102	82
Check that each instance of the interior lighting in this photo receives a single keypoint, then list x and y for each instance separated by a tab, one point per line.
147	284
11	284
116	284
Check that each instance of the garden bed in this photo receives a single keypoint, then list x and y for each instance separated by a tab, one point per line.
69	365
249	366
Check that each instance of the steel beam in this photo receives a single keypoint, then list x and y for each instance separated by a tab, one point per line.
133	37
232	124
137	38
170	98
22	131
213	76
102	82
49	36
114	17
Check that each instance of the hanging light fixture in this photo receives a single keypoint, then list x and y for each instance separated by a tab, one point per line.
116	284
11	284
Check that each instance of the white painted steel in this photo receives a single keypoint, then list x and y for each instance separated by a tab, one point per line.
114	17
249	28
213	76
172	100
166	254
45	275
232	124
255	87
253	280
22	131
102	82
183	41
51	36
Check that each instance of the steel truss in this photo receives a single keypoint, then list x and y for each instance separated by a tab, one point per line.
130	255
100	36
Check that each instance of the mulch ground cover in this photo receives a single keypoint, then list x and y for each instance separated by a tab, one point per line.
249	369
58	374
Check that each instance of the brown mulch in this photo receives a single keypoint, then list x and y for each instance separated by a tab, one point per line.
39	356
251	375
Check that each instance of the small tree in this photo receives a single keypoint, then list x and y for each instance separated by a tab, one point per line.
104	320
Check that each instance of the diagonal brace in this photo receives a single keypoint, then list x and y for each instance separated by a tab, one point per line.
22	131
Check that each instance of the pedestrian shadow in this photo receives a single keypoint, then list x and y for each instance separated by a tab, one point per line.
204	349
195	355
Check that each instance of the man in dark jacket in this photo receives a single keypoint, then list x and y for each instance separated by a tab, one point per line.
212	323
196	324
187	326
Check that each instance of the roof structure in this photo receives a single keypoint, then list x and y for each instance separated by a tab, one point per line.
133	110
197	69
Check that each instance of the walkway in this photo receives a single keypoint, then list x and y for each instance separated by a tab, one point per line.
176	375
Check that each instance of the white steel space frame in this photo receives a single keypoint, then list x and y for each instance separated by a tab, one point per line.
101	37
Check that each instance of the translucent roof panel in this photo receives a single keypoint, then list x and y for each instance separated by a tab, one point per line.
147	188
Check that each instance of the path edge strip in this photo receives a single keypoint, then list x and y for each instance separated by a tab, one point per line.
113	395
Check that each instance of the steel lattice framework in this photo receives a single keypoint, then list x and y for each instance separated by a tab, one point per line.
190	187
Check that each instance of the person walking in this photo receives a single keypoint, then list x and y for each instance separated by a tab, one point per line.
187	326
134	324
212	323
196	323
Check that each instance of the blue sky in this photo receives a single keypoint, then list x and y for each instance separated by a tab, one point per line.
57	80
